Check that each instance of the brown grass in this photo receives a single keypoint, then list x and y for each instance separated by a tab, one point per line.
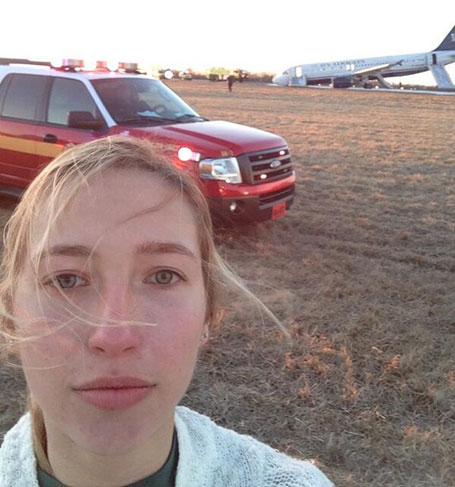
361	272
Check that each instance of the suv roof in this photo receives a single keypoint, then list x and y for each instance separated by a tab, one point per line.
10	65
88	77
68	74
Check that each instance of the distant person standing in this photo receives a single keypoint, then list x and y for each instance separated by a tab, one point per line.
230	80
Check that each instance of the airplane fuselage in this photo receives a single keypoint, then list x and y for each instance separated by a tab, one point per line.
351	71
409	64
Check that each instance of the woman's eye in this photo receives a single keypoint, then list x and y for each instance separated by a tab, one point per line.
67	281
163	277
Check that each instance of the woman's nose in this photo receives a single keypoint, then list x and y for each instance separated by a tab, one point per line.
115	332
112	340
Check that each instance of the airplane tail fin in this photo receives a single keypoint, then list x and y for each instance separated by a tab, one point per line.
448	44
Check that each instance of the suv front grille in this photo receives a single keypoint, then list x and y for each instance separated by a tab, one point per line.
267	199
265	166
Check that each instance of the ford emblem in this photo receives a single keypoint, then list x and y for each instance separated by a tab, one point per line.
276	163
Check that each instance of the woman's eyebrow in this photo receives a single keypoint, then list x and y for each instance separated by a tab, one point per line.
66	250
144	248
164	248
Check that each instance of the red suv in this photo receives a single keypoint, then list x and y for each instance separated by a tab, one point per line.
245	173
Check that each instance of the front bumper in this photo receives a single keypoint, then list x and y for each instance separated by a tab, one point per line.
253	208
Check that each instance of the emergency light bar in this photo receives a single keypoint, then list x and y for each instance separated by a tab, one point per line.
128	67
78	65
102	66
72	63
68	64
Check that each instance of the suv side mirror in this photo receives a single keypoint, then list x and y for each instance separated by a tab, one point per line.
84	120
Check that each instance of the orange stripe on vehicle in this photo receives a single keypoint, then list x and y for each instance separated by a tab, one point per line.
28	146
49	150
17	144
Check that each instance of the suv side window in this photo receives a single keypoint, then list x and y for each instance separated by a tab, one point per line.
69	95
24	96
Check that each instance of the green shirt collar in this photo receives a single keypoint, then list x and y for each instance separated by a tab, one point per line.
164	477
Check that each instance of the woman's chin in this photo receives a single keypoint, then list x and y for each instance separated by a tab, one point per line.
112	443
114	433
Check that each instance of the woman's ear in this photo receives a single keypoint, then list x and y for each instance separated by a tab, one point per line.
205	334
218	317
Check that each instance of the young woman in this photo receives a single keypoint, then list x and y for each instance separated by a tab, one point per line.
110	283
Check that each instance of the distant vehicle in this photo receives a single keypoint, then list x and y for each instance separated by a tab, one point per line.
239	74
359	72
246	174
166	74
217	77
185	75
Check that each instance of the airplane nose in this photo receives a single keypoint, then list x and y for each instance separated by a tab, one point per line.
281	79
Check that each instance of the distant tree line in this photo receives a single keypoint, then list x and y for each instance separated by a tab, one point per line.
216	73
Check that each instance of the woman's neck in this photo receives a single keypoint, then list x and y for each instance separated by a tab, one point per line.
39	439
72	465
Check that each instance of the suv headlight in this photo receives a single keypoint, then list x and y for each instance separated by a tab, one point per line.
225	169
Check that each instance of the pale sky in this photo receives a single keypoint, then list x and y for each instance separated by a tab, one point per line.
248	34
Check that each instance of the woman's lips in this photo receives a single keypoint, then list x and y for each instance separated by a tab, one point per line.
114	393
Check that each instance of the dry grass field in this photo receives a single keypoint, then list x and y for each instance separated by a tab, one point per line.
360	271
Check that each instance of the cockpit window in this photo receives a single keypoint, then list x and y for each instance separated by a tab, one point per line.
141	100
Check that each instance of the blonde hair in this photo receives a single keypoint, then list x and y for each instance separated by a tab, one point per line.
52	190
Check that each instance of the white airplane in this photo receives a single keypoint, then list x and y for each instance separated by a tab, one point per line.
359	72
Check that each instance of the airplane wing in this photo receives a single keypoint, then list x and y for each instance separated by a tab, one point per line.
375	69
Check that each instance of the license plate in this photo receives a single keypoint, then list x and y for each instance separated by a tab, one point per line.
278	210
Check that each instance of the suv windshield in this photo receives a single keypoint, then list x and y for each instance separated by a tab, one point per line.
141	101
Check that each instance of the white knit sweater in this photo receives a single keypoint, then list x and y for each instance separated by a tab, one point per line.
209	456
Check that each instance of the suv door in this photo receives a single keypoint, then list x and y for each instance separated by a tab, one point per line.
21	105
54	135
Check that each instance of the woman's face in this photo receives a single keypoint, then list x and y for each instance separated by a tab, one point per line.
136	275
